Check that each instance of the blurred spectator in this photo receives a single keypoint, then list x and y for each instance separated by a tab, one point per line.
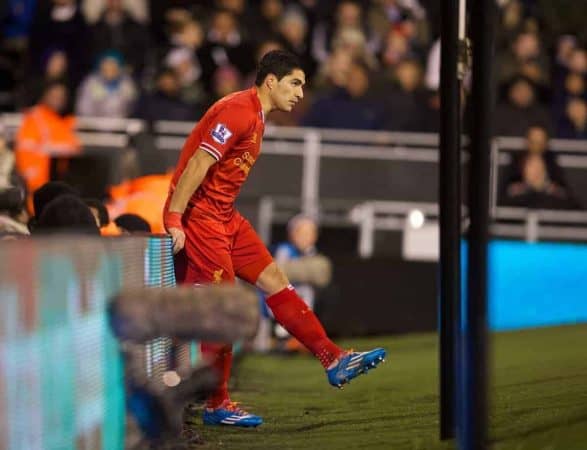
268	21
66	213
99	211
574	124
573	86
144	196
535	180
13	215
46	194
165	102
350	107
333	72
512	23
395	49
348	16
406	102
408	18
54	66
293	28
138	10
353	42
60	24
520	111
225	45
45	131
132	223
16	18
188	34
226	80
525	57
188	72
108	92
117	30
302	234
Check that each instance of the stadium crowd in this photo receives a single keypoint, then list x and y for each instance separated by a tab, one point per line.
370	64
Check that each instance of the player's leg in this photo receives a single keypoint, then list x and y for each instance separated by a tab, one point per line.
253	263
206	260
209	262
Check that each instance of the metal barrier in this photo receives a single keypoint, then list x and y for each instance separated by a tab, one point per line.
327	173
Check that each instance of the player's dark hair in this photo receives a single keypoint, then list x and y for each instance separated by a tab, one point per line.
277	62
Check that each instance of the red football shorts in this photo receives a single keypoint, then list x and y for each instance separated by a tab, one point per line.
217	251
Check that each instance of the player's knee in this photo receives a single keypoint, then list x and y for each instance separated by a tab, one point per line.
272	279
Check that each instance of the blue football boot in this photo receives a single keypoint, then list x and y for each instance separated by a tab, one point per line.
228	413
352	364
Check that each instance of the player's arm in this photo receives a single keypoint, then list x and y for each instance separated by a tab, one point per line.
190	179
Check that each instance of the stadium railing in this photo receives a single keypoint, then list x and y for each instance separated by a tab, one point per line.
333	174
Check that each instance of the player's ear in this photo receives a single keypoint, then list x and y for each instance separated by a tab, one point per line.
270	81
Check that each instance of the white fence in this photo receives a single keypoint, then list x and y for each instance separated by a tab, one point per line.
316	148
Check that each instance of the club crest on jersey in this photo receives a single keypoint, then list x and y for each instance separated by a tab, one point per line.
221	133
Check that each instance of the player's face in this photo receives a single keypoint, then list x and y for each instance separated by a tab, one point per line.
289	90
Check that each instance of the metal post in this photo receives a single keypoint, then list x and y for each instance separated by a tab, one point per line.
450	213
473	429
311	173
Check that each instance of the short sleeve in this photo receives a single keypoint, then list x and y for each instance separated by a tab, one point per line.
225	130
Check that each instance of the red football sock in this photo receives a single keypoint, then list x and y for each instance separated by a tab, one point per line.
292	313
221	357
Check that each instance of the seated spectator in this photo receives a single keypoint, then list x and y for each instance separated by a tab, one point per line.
226	80
520	111
395	49
225	45
333	73
45	131
267	21
302	234
293	29
574	124
60	24
406	102
13	214
165	102
54	66
118	30
132	223
182	61
66	213
573	86
535	179
109	91
351	107
525	58
45	195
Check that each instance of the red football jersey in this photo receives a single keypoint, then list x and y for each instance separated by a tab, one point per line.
231	131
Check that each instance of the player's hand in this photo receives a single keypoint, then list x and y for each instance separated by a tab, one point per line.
177	238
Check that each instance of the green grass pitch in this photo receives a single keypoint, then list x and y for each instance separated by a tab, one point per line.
538	397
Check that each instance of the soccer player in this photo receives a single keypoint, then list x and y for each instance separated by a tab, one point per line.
219	244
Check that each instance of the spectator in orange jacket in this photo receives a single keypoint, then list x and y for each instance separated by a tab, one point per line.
45	131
